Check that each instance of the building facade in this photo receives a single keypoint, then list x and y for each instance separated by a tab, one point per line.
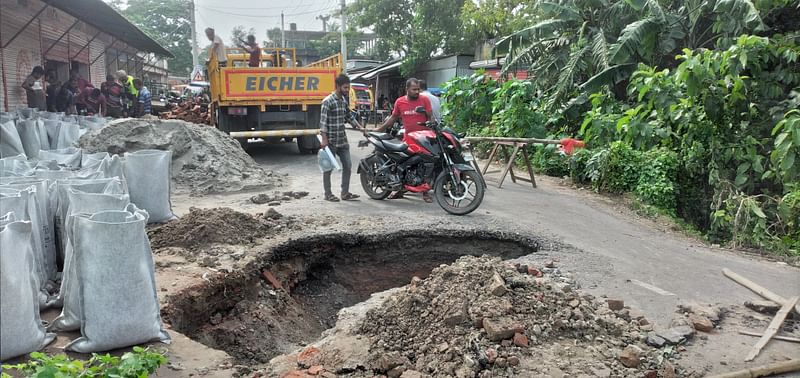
60	36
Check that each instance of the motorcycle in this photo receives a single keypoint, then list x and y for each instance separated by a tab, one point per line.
434	160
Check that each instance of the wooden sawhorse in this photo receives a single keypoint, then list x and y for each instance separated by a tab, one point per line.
518	147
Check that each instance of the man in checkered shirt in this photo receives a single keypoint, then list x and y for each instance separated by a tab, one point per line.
334	114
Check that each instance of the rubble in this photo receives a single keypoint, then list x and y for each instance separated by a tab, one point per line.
189	112
525	332
204	159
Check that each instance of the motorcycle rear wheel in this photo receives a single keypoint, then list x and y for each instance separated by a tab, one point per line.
452	199
368	181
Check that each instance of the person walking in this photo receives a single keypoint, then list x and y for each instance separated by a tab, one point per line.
333	116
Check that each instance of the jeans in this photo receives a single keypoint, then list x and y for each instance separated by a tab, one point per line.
344	155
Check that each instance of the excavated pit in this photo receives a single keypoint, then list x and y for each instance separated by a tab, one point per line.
289	296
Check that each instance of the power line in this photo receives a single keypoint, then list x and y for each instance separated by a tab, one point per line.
253	8
217	10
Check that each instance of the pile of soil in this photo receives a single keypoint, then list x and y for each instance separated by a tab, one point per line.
482	317
203	227
204	159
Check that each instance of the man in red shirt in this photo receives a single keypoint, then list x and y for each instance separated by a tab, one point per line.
94	101
405	108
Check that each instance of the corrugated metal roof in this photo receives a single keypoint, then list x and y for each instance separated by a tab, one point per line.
107	19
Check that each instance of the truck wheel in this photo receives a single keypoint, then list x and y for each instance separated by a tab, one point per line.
308	144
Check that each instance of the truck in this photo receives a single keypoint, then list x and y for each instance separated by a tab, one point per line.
276	100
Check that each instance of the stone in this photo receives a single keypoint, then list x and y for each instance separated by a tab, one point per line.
273	214
643	322
499	329
651	374
701	323
396	372
491	355
315	370
655	340
308	357
764	307
455	317
615	304
260	199
506	343
513	361
520	340
574	303
501	362
497	286
601	372
274	203
676	335
411	374
667	370
522	269
534	272
630	356
550	264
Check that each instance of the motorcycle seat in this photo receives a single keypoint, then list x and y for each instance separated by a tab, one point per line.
381	136
395	145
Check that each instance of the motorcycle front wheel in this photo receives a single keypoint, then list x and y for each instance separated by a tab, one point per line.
462	198
372	189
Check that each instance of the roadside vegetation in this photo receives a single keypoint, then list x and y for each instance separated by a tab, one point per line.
692	107
140	362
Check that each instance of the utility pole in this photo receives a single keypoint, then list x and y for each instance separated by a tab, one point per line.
283	37
195	50
324	22
344	40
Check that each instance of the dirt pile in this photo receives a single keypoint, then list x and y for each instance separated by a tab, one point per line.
203	227
481	317
204	159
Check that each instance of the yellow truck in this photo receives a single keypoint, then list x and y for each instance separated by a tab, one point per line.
276	100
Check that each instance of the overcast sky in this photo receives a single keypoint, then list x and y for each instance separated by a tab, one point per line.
223	15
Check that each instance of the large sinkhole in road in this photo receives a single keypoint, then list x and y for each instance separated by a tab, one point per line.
246	316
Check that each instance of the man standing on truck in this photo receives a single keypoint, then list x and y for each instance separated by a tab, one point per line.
252	48
217	47
333	115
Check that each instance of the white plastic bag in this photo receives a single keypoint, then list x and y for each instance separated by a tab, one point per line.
69	157
10	143
118	290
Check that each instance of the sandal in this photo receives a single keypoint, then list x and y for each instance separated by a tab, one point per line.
397	195
331	198
349	196
427	198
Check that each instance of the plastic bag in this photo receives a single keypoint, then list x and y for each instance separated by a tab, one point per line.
69	157
10	142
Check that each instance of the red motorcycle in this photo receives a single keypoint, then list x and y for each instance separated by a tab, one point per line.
433	160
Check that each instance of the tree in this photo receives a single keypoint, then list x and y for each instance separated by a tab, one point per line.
582	45
238	34
168	22
491	19
414	30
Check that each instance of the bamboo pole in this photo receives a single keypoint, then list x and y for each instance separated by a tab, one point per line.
756	288
517	140
763	370
773	328
776	337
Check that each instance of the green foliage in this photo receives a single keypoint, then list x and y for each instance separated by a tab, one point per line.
617	171
730	118
139	363
168	22
657	179
467	105
549	161
516	111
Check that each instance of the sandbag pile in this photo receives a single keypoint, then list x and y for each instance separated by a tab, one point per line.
72	234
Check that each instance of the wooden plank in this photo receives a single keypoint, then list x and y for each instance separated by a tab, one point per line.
491	157
508	166
512	140
776	337
530	168
764	370
773	328
756	288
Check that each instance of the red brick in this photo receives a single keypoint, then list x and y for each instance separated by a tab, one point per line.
308	357
520	340
272	280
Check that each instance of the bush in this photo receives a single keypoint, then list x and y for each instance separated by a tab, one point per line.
656	185
549	161
139	363
618	170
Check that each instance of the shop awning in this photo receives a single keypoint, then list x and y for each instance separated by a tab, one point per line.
388	67
106	19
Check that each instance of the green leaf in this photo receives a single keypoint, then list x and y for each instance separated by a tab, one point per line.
787	162
631	39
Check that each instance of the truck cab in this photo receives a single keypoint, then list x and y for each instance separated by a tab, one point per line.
361	101
276	100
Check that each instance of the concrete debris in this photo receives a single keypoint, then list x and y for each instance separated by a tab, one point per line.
701	323
655	340
677	335
615	304
497	286
630	356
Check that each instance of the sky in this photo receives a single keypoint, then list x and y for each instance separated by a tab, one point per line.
223	15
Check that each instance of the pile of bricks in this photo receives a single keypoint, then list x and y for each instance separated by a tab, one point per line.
189	112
